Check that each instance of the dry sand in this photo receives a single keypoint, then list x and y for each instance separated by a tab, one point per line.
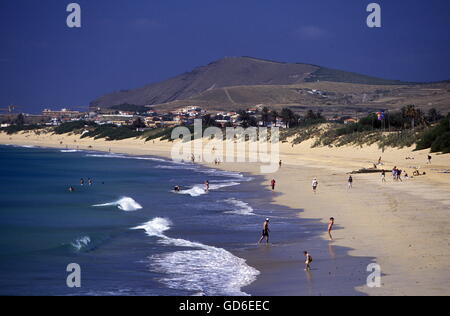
405	226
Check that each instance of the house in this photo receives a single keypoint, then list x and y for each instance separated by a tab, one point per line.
350	121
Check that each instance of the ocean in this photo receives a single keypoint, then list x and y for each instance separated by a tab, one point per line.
131	234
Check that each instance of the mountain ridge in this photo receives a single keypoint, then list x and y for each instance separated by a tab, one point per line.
233	72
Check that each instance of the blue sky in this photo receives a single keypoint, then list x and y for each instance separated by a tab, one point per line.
126	44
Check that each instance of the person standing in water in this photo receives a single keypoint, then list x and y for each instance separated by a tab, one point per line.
330	227
308	261
81	181
90	182
207	186
315	184
265	231
272	184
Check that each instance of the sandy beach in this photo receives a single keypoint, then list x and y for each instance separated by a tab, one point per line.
405	226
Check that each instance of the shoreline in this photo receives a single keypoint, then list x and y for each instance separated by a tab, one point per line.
403	225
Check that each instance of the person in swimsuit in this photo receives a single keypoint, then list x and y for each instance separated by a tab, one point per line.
330	227
315	183
383	176
350	182
206	186
81	181
273	183
265	231
308	261
177	188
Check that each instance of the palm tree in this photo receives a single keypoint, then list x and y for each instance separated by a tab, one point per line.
410	112
265	116
275	116
288	116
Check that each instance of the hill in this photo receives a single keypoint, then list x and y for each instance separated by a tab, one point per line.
232	72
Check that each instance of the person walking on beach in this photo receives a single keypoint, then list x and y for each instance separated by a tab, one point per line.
265	231
399	175
315	184
308	261
429	159
280	163
350	182
330	227
383	176
272	184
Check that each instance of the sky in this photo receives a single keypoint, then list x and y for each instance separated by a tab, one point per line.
125	44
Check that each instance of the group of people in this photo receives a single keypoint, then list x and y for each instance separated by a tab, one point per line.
308	257
314	184
177	188
82	183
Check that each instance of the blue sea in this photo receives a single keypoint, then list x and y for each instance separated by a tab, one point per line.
128	231
131	234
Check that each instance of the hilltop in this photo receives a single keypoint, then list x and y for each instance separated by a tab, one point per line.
240	82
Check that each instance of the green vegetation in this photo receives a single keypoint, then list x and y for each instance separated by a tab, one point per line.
18	125
437	138
73	127
112	132
13	129
328	74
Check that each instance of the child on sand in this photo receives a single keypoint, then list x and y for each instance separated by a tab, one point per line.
330	227
308	261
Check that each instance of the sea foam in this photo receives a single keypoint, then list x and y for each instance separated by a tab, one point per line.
81	243
125	204
199	189
239	207
205	270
